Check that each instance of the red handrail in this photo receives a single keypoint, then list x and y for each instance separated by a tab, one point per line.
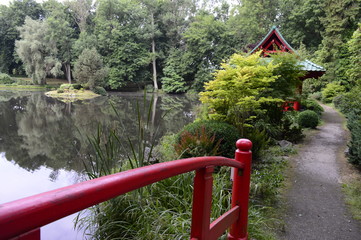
23	218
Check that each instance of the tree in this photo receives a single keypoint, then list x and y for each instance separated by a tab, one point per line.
289	72
208	42
173	82
89	68
151	7
80	10
61	32
300	22
119	30
37	51
341	18
354	47
10	18
252	19
236	93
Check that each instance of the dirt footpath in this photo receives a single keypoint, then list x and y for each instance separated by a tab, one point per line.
315	206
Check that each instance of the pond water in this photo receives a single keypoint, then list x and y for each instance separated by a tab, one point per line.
42	139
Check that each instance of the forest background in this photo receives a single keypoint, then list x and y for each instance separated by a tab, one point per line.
173	45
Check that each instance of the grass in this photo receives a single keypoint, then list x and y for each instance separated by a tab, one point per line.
27	84
23	87
352	192
49	81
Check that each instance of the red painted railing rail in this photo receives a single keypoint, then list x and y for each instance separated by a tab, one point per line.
22	219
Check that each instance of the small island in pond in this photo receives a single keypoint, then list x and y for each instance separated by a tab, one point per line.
72	95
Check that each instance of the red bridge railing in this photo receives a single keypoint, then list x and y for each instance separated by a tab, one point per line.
22	219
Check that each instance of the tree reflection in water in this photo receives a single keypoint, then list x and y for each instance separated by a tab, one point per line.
36	130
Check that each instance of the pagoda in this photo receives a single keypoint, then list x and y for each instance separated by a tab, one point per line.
274	42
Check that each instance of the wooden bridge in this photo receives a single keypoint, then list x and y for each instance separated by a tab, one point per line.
22	219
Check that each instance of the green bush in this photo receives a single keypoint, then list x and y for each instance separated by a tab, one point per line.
310	104
312	85
6	79
223	132
290	128
316	95
331	91
172	82
100	91
23	82
260	141
308	119
65	86
354	125
76	86
85	86
349	101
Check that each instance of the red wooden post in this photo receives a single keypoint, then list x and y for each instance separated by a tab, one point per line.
202	203
296	106
240	189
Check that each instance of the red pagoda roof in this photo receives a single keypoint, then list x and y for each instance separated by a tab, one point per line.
274	42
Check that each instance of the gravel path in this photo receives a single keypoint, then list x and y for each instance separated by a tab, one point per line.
315	206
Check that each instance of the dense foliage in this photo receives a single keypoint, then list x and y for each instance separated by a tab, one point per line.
89	68
236	93
350	105
5	79
225	135
177	44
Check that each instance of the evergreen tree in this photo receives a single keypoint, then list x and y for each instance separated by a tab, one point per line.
89	68
354	47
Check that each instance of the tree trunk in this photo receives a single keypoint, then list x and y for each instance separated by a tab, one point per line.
154	57
67	72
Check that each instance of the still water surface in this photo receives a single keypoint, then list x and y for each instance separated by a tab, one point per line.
42	139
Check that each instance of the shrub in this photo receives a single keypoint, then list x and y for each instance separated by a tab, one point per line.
308	119
316	95
65	86
354	125
197	145
223	132
149	88
60	90
312	86
260	141
349	101
6	79
100	91
290	128
172	82
23	82
85	86
310	104
76	86
331	91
